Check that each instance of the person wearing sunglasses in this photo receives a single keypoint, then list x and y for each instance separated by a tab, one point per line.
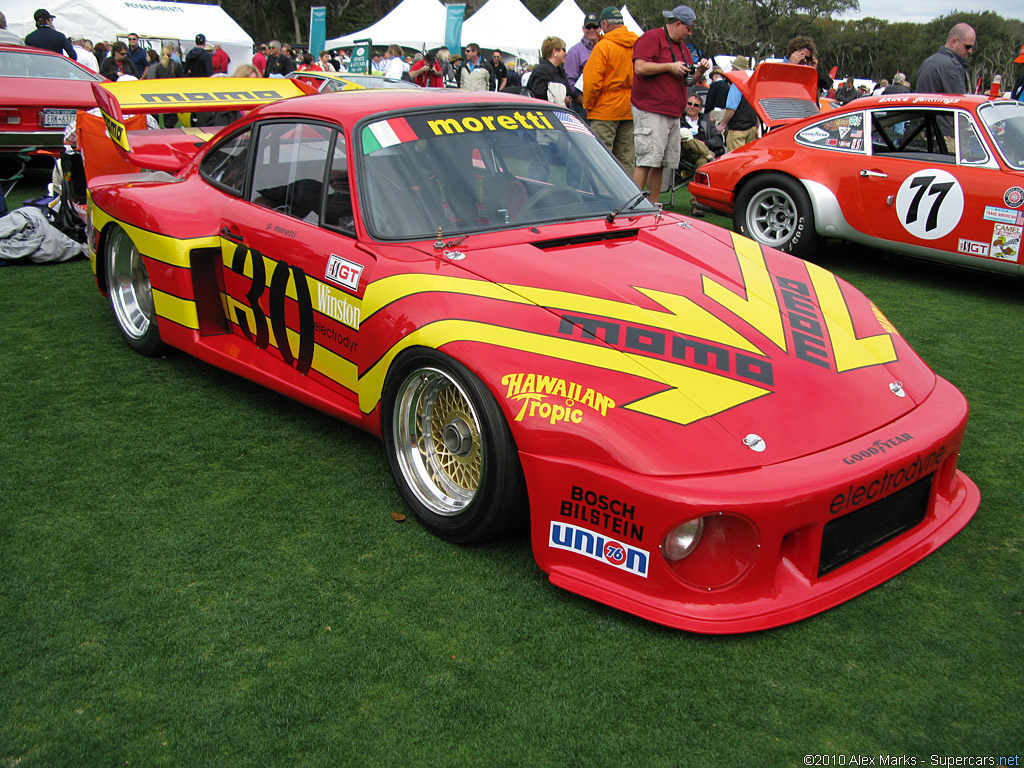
576	59
945	71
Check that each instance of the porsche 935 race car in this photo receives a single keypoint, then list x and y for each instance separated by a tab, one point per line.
930	175
696	429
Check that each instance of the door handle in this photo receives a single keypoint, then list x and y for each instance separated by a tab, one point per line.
234	237
874	174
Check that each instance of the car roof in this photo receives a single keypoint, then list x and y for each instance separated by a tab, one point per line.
350	106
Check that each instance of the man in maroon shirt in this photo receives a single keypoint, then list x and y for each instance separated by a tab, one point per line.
662	65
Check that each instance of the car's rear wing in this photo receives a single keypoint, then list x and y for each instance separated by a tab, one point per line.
178	95
780	93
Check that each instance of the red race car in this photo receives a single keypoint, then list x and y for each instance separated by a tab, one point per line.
698	430
937	176
40	92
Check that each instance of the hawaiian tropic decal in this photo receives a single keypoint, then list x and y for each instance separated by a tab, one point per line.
707	365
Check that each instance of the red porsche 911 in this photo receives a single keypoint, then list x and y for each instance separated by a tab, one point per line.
695	429
933	175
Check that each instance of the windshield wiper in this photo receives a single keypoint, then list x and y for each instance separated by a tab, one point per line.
631	203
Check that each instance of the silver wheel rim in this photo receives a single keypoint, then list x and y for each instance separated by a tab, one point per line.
771	217
437	440
130	292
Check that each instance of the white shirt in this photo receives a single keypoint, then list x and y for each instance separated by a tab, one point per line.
87	59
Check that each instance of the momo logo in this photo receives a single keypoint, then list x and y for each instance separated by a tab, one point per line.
597	547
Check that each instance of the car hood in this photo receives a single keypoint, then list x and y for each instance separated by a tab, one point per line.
780	93
714	338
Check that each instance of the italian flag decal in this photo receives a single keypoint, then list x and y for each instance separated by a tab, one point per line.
386	133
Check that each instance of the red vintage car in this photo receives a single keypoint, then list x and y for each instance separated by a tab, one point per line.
931	175
698	430
40	92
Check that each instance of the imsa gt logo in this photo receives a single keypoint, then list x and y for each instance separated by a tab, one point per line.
598	547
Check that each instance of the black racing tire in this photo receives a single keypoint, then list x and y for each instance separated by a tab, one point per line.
774	210
131	296
450	450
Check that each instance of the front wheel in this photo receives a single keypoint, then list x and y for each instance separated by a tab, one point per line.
450	450
775	210
131	296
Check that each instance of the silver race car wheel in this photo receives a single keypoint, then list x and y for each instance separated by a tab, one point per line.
131	295
450	449
774	210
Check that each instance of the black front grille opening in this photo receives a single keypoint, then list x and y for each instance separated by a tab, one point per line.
850	536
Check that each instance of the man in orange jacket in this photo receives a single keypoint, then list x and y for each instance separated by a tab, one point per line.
607	84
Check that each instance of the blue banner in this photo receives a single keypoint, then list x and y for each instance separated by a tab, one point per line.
453	27
317	30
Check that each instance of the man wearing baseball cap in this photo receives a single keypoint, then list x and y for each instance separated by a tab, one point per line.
199	61
576	59
48	38
661	65
607	85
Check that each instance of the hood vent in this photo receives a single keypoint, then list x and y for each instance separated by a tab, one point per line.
562	242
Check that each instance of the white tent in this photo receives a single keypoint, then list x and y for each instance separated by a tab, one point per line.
566	22
111	19
508	25
414	24
630	22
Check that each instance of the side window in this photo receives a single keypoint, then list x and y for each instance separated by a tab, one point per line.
290	167
338	209
972	148
225	165
915	134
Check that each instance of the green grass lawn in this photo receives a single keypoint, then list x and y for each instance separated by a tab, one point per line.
196	571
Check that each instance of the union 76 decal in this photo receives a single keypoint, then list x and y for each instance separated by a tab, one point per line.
930	204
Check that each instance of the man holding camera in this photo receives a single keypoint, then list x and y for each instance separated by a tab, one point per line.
662	69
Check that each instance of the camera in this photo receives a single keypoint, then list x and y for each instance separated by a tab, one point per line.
689	79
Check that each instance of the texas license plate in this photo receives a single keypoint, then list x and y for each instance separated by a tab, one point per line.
57	118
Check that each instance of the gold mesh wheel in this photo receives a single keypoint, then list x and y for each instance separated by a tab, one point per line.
437	432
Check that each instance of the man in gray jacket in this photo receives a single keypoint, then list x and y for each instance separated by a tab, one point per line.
945	71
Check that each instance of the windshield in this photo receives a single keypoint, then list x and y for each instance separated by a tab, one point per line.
1005	123
19	64
475	169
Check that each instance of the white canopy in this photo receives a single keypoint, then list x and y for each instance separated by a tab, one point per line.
111	19
417	24
566	21
508	25
630	22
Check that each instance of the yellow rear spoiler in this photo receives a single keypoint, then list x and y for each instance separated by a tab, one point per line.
187	94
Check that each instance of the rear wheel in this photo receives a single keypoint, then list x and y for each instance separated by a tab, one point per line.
775	210
450	450
131	295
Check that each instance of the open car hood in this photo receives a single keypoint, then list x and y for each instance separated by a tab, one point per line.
780	93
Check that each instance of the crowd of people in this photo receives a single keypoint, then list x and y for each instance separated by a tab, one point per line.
652	99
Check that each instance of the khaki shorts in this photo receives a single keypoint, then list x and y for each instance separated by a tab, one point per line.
656	139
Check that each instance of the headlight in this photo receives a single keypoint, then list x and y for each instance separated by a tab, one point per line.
683	539
713	551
